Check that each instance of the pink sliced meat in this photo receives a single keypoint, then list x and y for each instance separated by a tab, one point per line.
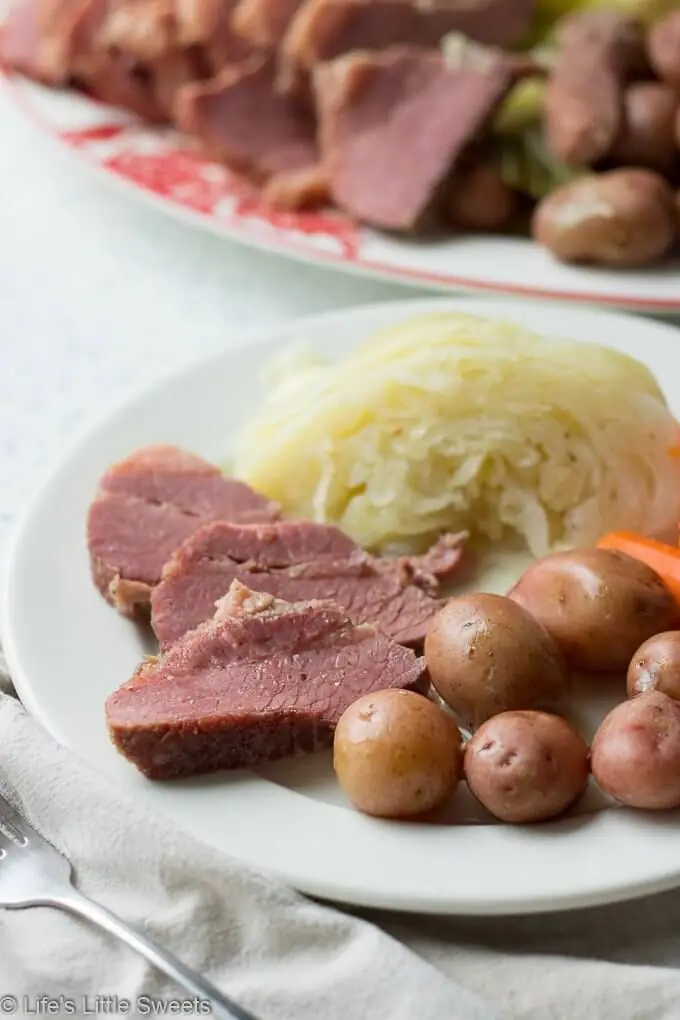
129	54
172	72
392	126
36	38
324	29
261	680
440	563
146	506
133	54
142	29
297	561
279	544
208	25
148	30
244	121
264	22
152	29
197	20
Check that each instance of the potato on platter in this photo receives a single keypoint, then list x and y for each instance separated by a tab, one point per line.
622	218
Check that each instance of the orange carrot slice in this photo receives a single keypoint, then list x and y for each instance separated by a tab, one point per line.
663	559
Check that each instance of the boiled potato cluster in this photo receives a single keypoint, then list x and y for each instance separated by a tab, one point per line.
501	666
612	115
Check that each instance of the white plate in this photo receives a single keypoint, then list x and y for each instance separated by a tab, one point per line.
159	167
68	649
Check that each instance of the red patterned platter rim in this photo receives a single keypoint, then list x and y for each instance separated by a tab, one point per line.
161	167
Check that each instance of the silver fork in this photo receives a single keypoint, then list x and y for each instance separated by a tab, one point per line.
34	874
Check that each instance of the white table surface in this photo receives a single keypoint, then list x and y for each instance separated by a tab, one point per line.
98	293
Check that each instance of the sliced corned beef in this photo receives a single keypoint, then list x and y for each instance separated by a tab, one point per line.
261	680
142	29
134	54
264	22
208	25
392	126
324	29
298	561
37	38
243	120
276	544
146	506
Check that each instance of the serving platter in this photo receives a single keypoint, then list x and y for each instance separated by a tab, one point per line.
68	650
161	168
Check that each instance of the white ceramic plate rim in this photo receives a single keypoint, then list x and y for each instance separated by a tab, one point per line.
327	851
483	264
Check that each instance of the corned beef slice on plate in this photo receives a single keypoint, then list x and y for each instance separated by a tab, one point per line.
300	561
146	506
261	680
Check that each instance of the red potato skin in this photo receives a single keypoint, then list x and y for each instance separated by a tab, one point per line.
623	218
599	605
485	654
397	757
656	666
635	755
663	48
597	52
527	766
648	135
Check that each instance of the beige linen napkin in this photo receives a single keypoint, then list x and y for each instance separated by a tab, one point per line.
277	953
608	963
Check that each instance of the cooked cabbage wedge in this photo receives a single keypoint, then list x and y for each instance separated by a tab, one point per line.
452	422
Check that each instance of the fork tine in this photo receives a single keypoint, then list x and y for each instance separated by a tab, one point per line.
15	827
7	844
